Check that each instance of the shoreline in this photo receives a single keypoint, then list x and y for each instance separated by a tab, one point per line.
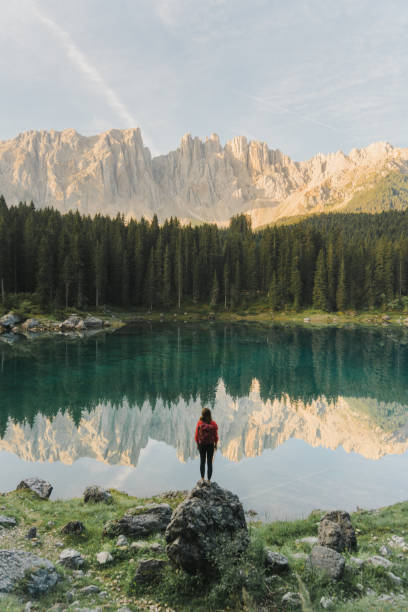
374	575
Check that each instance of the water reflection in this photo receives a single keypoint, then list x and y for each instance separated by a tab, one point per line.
106	397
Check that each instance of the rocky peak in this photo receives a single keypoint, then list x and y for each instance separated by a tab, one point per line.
201	180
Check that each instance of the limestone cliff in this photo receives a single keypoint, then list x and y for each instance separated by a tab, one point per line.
202	180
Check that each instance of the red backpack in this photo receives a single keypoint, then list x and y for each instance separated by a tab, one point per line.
206	433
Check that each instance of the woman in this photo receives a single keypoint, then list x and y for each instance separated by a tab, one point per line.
206	437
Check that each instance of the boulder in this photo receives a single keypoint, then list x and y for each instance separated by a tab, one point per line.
31	533
106	323
209	517
71	558
7	521
328	561
93	322
337	532
39	574
31	324
80	326
41	487
68	325
96	495
10	320
73	528
140	522
149	571
405	321
122	541
275	562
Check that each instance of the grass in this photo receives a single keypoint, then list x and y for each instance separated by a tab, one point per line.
238	582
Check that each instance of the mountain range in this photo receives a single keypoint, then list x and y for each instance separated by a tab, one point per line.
200	181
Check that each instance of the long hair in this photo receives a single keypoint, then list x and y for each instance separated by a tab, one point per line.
206	415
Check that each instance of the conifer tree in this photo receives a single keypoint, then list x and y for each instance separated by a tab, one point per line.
214	291
320	291
341	293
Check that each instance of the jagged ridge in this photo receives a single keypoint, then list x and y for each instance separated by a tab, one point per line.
202	180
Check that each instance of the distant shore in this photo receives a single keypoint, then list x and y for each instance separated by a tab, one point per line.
58	324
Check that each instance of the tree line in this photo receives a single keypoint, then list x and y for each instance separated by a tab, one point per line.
328	262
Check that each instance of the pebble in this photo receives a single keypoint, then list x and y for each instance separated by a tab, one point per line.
90	589
326	603
122	541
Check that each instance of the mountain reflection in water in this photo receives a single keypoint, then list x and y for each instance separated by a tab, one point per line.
105	397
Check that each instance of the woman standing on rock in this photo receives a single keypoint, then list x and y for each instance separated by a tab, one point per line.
206	437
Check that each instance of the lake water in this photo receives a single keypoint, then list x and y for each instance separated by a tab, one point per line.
308	418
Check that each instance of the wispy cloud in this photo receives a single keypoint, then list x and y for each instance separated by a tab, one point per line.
82	63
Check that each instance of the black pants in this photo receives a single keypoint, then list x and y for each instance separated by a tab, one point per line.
206	451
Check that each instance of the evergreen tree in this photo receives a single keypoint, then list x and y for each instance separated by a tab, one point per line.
214	291
320	290
295	283
341	293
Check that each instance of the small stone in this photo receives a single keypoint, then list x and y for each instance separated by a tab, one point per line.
71	558
122	541
395	579
104	557
379	561
370	592
384	551
357	561
7	521
384	597
78	573
90	589
28	606
69	596
276	562
326	603
103	594
291	599
31	533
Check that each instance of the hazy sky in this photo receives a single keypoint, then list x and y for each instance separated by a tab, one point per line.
303	75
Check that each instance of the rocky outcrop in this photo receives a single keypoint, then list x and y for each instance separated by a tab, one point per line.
15	565
337	532
140	522
71	558
7	521
202	180
209	518
40	487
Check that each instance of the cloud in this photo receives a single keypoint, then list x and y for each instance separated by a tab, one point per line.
79	59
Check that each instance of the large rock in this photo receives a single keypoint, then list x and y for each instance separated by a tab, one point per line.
208	517
10	320
95	494
149	571
337	532
73	528
7	521
39	574
328	561
140	522
41	487
31	324
93	323
275	562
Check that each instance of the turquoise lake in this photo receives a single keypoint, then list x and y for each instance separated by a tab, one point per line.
308	418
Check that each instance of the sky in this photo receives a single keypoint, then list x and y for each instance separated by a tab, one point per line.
305	76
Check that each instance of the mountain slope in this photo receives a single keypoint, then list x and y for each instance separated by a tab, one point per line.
200	181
